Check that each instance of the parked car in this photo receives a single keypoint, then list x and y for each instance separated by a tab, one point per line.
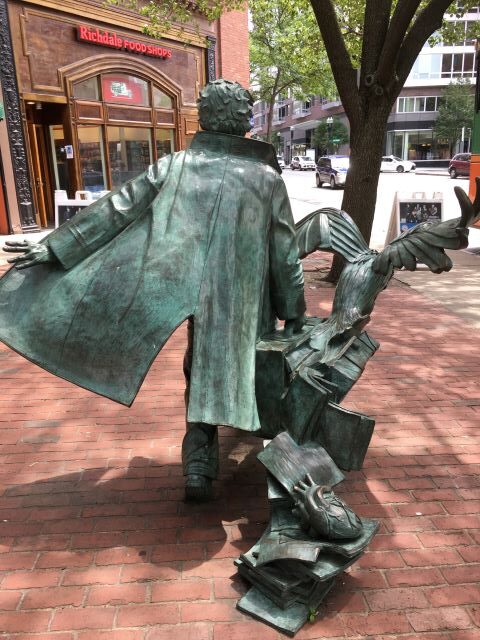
392	163
281	162
332	169
302	163
460	165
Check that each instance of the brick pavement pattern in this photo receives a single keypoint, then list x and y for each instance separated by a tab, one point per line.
97	543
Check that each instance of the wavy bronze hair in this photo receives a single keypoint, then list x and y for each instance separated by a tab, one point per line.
226	107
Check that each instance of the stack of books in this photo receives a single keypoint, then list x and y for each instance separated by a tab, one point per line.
289	570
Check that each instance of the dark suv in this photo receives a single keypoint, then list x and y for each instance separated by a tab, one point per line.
333	170
460	165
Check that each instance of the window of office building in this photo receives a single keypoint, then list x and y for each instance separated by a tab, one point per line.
301	108
417	104
427	66
281	112
465	30
458	65
432	66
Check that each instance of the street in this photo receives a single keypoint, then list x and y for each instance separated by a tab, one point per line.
306	197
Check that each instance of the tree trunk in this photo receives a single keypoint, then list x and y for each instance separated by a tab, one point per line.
273	96
270	120
360	193
336	269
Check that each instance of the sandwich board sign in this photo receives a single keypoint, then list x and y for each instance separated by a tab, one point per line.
411	209
65	209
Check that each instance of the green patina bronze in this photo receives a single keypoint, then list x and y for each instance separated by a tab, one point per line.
207	235
184	239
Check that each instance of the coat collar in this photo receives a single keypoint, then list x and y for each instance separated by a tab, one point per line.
235	145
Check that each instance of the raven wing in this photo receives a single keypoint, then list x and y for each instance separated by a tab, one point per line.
331	230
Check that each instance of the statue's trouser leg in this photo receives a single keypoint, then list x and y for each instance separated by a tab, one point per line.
200	444
200	450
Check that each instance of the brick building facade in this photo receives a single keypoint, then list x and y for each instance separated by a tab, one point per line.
232	50
91	101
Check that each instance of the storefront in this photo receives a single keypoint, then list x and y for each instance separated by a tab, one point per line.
417	145
97	100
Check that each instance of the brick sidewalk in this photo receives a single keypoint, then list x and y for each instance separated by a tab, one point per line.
97	543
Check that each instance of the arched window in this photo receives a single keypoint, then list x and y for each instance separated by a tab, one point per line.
123	123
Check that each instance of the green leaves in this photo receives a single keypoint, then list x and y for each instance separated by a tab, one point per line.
329	137
286	51
455	112
162	15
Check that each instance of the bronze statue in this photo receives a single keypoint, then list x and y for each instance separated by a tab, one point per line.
207	235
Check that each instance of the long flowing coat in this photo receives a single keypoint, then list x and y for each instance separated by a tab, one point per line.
205	233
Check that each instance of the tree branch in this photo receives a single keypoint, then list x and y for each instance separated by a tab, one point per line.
273	96
284	86
426	23
399	24
342	69
375	26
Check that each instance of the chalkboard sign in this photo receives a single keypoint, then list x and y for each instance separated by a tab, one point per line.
66	209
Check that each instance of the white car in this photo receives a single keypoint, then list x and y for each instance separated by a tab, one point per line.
302	163
392	163
281	162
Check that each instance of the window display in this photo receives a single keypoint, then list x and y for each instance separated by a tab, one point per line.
129	152
92	158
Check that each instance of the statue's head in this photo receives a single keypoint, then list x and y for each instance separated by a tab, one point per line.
225	107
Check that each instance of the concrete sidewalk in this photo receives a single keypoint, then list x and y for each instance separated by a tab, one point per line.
431	172
458	290
97	543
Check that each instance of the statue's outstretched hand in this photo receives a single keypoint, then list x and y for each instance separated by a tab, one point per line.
293	326
32	253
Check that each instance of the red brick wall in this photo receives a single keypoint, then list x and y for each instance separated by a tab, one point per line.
232	49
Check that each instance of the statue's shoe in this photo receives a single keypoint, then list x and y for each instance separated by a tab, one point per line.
198	488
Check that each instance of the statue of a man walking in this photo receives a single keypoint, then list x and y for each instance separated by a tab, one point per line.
204	234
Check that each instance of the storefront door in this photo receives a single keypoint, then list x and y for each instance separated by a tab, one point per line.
48	157
3	205
41	178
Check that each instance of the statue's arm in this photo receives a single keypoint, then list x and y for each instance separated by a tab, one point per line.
286	272
96	225
103	220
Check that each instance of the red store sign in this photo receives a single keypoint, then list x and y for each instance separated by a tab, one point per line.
123	88
110	39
